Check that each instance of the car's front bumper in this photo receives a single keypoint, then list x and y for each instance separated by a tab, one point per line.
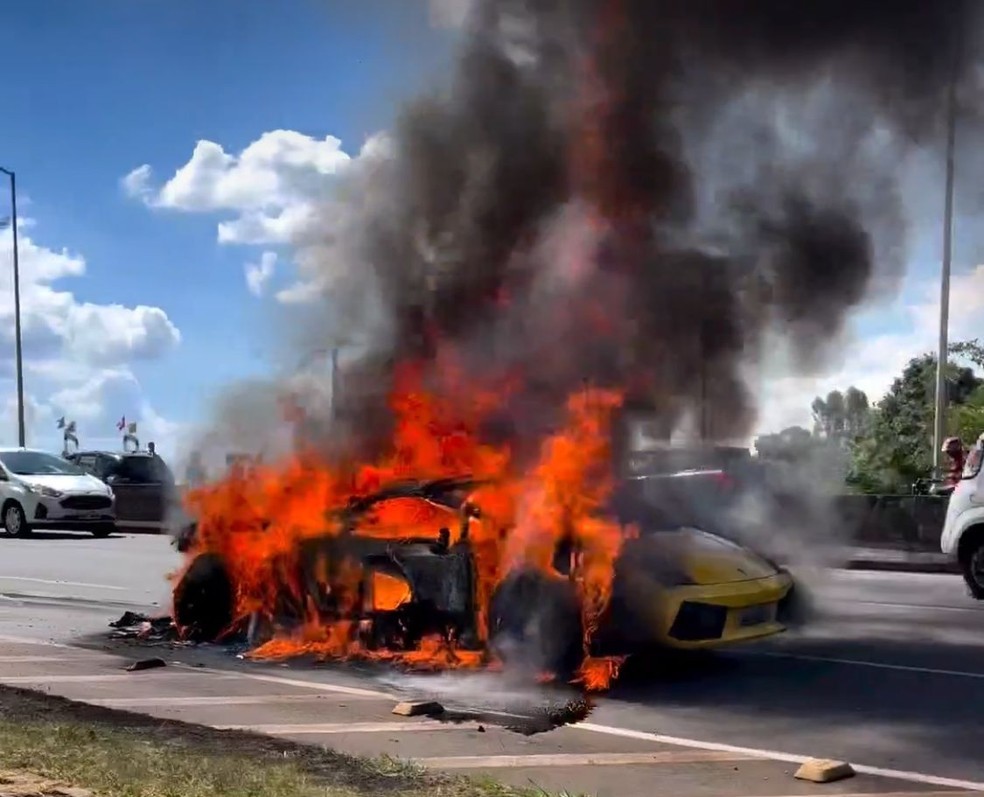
709	616
51	513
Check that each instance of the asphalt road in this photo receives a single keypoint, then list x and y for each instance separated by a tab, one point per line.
890	674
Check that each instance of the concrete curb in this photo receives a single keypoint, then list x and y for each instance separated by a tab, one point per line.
901	566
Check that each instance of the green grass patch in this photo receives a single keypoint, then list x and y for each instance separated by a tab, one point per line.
122	754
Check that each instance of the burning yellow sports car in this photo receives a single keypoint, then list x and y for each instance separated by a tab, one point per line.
421	572
688	588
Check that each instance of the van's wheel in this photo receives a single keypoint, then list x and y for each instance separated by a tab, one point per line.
972	561
14	521
535	621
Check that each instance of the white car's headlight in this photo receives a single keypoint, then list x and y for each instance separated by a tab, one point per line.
40	489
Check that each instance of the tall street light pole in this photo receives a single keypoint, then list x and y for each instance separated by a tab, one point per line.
942	358
21	435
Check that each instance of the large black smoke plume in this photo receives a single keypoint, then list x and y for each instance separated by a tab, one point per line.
635	192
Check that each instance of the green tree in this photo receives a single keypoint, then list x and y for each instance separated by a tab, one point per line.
896	449
857	412
840	415
966	421
969	349
791	444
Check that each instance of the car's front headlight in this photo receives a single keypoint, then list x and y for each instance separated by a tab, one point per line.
40	489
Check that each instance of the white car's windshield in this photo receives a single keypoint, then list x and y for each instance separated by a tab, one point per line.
37	463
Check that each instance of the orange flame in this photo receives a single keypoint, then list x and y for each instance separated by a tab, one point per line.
257	522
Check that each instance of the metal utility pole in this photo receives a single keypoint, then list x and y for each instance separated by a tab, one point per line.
704	339
942	358
19	358
334	383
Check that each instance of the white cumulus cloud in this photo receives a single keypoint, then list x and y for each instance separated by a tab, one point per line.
278	191
259	274
872	363
74	351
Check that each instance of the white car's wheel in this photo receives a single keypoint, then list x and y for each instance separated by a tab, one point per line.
972	564
14	521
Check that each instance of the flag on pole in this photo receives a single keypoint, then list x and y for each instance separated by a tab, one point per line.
121	424
68	435
130	436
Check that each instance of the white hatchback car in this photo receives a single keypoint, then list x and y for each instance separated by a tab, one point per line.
39	490
963	529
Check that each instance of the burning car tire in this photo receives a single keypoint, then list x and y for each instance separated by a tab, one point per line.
203	600
535	621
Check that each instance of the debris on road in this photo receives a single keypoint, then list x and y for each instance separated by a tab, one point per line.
548	718
147	629
423	709
146	664
818	770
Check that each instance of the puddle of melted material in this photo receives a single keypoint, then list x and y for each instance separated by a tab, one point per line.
500	699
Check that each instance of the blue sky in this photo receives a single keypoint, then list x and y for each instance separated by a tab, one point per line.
103	87
133	303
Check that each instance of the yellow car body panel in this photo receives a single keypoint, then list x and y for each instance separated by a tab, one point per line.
712	573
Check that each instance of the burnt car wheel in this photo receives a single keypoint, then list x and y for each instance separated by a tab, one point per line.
203	600
535	621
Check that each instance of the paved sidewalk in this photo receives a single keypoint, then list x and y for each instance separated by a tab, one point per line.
583	759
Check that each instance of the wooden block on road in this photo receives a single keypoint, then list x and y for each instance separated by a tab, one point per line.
819	770
422	709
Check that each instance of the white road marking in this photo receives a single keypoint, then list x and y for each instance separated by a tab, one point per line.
578	759
948	793
45	643
312	729
777	755
81	679
881	665
427	725
63	583
317	686
43	659
62	679
234	700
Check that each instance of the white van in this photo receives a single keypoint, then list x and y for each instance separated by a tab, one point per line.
963	529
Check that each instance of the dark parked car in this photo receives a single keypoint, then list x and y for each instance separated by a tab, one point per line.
142	482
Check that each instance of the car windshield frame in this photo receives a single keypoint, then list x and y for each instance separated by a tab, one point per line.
26	463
